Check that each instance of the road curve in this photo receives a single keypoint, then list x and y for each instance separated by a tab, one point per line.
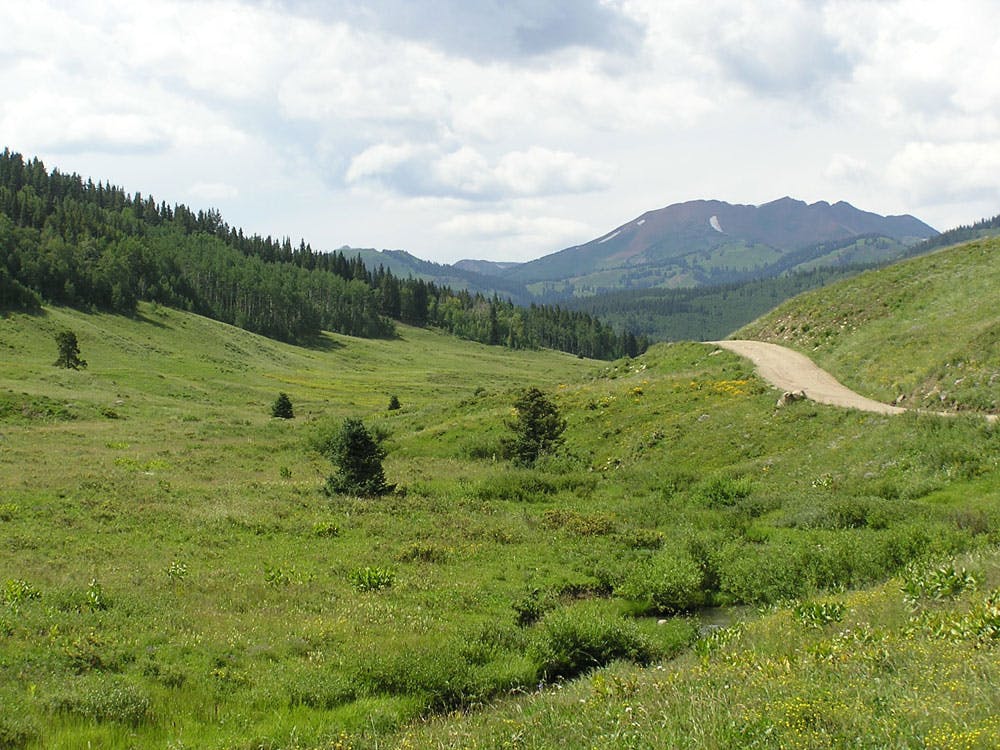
787	370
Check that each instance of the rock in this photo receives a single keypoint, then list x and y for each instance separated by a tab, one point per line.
789	397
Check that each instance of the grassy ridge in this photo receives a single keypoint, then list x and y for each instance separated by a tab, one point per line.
172	574
926	329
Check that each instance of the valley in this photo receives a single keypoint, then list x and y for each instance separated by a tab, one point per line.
174	574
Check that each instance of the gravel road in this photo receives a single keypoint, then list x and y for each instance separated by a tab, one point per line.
787	370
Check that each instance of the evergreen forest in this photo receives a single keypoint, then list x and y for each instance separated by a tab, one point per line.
93	246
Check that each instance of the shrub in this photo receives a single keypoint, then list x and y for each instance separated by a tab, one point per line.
537	427
670	582
98	701
358	458
439	675
393	403
574	640
530	607
514	486
762	574
724	492
282	407
15	732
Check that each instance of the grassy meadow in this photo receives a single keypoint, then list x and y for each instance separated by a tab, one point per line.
173	575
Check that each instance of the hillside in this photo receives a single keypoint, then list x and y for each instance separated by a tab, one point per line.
702	313
66	240
712	242
184	581
924	332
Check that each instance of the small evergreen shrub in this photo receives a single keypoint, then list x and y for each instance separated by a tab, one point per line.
282	407
393	403
358	458
537	426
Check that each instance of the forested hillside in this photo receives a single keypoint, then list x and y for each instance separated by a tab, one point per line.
703	313
95	246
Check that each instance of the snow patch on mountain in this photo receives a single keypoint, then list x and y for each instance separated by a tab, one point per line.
609	237
714	223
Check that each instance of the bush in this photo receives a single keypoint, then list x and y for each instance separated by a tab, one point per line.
670	582
393	403
98	701
724	492
577	639
282	407
537	427
762	574
514	486
358	458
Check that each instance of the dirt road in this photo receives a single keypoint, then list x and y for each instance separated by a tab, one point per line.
787	370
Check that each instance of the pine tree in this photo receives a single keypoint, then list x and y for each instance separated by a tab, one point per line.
69	351
282	407
537	427
358	458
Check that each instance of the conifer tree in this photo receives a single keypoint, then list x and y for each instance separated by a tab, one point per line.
537	426
358	458
69	351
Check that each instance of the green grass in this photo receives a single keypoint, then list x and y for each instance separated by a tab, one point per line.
174	575
925	329
877	671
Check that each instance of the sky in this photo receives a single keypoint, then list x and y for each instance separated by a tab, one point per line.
508	129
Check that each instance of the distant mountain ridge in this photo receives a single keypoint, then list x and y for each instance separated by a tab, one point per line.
692	244
709	241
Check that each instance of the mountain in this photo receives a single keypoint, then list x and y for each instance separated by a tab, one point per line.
483	276
692	244
485	267
706	242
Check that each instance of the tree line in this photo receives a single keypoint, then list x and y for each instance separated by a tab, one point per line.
74	242
705	313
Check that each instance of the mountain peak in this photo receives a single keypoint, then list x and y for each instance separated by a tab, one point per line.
710	242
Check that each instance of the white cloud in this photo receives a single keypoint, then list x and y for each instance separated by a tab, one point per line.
520	235
847	168
947	173
332	113
213	191
466	173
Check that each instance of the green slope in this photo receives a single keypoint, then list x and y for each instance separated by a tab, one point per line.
171	574
926	329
